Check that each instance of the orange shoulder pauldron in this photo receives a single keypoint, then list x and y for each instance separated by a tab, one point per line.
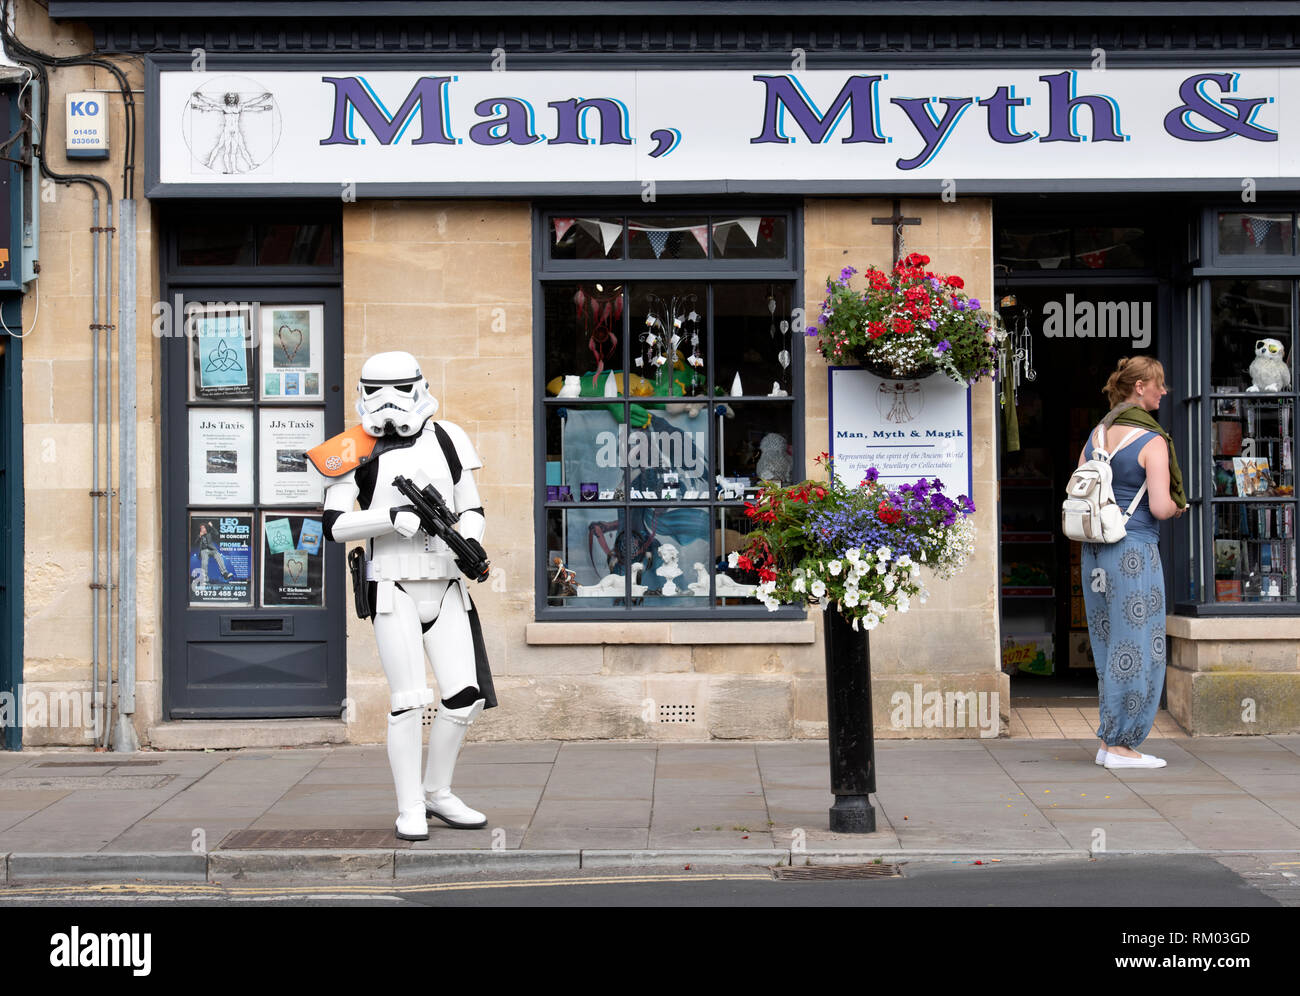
346	451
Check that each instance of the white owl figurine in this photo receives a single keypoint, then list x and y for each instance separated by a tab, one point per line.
1268	370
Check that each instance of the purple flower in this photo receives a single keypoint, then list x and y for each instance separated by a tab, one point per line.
973	303
959	304
932	324
871	476
943	347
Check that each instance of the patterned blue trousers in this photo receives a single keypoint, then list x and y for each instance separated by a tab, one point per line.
1124	594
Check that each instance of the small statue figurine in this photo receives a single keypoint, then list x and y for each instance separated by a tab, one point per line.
408	576
563	581
669	569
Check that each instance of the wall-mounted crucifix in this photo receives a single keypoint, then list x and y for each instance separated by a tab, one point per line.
898	221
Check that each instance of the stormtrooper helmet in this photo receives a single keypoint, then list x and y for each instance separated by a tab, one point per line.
393	394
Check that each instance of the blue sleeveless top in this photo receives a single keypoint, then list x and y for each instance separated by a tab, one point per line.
1128	477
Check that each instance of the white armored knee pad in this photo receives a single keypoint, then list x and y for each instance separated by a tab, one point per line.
464	716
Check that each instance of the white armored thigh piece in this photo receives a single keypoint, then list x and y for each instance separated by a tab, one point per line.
401	652
450	644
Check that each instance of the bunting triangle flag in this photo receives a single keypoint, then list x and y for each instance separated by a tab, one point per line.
609	233
658	239
721	229
562	225
750	227
701	233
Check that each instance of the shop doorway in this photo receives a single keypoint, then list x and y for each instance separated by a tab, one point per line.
254	614
1072	334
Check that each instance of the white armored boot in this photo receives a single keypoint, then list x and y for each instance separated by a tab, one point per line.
445	739
405	738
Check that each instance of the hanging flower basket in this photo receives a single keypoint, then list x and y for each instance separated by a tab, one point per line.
910	323
860	549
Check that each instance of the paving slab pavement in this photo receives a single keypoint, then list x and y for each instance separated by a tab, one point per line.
71	816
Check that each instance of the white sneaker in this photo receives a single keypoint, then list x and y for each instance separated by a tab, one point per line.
1141	761
452	811
1101	755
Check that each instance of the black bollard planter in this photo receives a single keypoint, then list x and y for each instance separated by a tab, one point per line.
852	738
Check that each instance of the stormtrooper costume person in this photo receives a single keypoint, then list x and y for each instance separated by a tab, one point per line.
419	601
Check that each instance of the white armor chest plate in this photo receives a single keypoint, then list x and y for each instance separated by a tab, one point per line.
424	463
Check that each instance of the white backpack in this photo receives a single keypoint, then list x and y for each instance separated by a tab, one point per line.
1089	513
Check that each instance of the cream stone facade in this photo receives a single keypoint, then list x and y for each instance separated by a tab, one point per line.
452	281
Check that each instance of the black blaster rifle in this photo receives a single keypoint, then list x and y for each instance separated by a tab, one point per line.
438	520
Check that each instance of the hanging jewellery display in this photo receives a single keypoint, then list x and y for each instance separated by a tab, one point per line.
1022	353
1016	357
667	322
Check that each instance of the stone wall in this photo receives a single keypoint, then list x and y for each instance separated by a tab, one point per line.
452	283
951	643
57	412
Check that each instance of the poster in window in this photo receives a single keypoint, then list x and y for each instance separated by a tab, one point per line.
221	456
221	558
293	562
221	353
292	352
286	434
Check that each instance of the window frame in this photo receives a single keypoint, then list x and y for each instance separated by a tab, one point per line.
627	271
1198	405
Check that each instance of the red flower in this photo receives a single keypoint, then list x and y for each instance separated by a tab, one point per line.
767	574
955	281
819	492
888	515
875	329
744	563
902	326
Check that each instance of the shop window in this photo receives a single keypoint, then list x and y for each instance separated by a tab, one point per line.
1038	245
210	242
1256	233
667	389
1240	469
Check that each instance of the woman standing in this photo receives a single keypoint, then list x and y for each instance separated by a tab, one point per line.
1123	583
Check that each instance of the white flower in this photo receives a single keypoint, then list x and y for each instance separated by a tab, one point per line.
835	567
733	559
882	567
889	582
871	621
799	584
925	594
853	556
851	598
903	562
875	608
818	588
883	553
901	603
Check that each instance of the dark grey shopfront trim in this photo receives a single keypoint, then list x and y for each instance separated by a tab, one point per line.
788	188
91	9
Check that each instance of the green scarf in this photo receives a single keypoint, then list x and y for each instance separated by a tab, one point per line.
1132	414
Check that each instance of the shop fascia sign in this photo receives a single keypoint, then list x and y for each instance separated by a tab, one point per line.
440	129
